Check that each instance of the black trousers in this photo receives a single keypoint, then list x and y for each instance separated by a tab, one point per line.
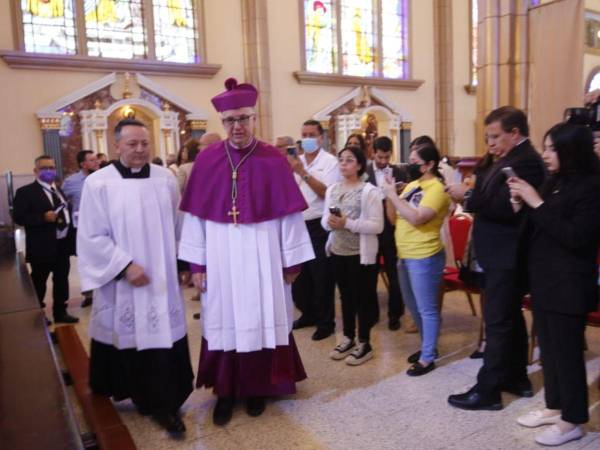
40	271
314	289
387	249
505	356
561	339
355	282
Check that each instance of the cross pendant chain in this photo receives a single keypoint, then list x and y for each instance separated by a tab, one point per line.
234	212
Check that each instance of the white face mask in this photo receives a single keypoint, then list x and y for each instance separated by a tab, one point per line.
310	145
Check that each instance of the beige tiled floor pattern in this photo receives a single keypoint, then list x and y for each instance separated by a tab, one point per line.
373	406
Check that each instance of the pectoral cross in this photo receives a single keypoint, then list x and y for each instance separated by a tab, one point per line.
234	212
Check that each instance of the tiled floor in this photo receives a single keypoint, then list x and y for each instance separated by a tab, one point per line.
371	406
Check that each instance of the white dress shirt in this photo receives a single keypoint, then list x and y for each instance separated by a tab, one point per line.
323	168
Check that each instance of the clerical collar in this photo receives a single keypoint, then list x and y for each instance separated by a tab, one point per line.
244	148
126	172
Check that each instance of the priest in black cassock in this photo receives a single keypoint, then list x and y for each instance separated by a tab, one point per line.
126	244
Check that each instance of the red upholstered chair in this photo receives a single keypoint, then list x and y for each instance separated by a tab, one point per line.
459	225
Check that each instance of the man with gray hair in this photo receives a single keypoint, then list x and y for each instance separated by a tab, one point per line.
283	142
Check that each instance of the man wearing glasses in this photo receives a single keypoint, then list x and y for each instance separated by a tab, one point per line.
245	237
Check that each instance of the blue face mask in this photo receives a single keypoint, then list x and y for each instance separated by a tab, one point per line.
47	175
310	145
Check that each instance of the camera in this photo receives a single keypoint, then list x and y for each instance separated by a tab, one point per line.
589	115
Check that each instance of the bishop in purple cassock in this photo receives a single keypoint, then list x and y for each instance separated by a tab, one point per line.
244	235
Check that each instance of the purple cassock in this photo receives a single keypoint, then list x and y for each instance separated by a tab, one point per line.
266	191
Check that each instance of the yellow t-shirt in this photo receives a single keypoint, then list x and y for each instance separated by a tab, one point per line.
422	241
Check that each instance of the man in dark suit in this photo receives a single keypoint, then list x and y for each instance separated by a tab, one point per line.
49	235
382	147
495	237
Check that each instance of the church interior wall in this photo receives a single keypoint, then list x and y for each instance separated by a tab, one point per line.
25	91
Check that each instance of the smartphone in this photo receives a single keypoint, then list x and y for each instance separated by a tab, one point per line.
335	211
59	208
291	151
509	172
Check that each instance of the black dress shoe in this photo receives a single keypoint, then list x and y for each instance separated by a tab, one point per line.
394	324
476	355
321	334
255	406
474	401
302	322
65	318
417	355
521	388
223	411
86	302
418	369
170	422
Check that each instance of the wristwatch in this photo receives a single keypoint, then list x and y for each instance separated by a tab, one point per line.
306	176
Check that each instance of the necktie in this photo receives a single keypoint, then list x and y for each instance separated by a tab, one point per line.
61	221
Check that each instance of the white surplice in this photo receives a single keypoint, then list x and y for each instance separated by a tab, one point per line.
247	306
123	220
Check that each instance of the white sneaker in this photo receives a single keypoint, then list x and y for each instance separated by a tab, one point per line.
361	354
342	349
552	436
535	419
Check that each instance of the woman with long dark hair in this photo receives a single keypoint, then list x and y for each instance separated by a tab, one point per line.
354	215
561	243
357	140
419	213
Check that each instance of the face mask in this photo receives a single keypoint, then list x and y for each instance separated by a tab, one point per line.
47	175
414	171
309	145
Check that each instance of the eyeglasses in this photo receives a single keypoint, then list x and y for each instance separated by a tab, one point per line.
242	120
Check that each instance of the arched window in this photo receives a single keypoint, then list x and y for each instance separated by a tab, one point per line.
593	81
156	30
364	38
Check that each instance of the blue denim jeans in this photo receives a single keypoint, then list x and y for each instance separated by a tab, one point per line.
420	281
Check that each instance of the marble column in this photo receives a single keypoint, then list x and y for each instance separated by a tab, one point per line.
405	138
444	79
51	141
257	64
502	57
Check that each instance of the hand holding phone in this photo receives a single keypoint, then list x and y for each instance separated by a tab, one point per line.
509	172
335	211
291	151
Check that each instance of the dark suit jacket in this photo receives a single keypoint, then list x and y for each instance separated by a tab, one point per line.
29	207
496	226
562	238
399	175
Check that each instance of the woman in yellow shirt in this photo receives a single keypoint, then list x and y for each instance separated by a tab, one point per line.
419	213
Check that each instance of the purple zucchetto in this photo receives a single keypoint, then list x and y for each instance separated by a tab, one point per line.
236	96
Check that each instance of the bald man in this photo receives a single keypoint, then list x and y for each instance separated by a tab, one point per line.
283	142
208	139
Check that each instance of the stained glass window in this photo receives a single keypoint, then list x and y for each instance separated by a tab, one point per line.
394	31
49	26
358	53
320	37
115	28
366	38
474	43
175	31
